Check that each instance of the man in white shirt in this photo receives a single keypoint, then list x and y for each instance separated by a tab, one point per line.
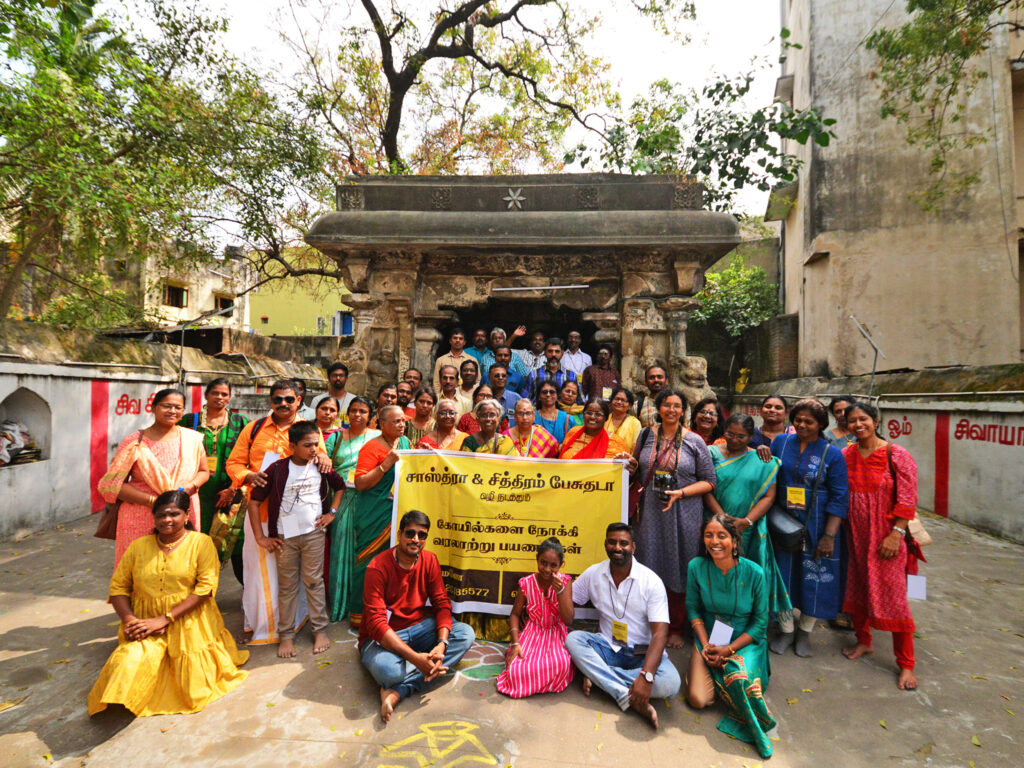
337	380
575	359
627	657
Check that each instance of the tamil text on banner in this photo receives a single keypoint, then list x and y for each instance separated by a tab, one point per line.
489	513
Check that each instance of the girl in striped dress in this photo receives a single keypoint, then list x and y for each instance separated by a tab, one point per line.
538	661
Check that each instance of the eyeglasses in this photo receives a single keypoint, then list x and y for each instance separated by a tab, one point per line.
411	534
283	399
446	413
707	413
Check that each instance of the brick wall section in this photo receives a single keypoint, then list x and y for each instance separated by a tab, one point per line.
772	349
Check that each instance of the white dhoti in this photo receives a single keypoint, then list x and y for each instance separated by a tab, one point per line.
259	593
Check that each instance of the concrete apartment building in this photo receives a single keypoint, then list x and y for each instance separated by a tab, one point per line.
933	288
173	297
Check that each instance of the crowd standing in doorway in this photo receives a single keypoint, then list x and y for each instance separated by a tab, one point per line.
300	501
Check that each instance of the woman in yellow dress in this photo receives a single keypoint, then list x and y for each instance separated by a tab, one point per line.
621	423
174	655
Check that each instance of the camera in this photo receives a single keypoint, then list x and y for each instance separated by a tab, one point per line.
663	483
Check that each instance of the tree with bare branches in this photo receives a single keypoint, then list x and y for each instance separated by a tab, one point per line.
486	85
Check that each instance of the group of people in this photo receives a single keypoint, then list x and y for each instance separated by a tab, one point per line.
314	483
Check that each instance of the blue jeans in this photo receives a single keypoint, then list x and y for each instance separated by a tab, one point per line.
615	671
392	671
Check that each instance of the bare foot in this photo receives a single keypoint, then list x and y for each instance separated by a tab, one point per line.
908	680
647	710
286	649
320	642
389	699
586	686
675	641
857	651
246	637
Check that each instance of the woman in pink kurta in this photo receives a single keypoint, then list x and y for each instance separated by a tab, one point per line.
883	499
538	661
160	458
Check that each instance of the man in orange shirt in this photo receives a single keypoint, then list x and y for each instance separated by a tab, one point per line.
268	435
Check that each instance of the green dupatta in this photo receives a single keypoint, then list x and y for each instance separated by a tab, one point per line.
743	481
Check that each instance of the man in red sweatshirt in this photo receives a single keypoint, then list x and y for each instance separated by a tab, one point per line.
404	642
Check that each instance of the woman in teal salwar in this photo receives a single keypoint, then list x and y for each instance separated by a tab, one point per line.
745	492
371	511
343	447
724	587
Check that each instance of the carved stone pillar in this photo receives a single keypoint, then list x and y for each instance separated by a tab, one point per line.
643	339
687	373
401	308
428	338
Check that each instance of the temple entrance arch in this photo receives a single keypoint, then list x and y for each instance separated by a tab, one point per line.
537	314
420	254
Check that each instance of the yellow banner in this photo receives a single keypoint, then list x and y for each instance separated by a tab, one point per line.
489	513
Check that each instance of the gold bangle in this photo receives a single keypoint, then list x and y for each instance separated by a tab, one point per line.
695	622
732	652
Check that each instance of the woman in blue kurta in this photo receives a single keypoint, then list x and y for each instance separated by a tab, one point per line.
724	587
745	492
812	576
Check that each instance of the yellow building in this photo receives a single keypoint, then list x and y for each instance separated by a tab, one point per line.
300	306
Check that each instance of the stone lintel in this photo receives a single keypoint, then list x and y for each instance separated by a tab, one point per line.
702	236
530	192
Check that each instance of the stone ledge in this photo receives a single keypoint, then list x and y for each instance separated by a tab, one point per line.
531	192
519	230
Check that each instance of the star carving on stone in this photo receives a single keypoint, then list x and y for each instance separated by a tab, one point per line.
515	199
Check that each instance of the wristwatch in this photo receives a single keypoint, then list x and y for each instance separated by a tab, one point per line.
443	640
647	676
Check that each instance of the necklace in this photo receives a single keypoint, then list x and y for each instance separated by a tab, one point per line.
625	604
168	548
521	446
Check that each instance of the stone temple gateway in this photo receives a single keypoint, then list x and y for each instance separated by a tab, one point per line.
421	254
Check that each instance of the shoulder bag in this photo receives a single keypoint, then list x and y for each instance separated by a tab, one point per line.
636	488
915	529
106	528
787	529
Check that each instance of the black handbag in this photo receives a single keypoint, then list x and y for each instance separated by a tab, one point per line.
787	529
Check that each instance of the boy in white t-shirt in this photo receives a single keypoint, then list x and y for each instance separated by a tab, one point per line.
300	506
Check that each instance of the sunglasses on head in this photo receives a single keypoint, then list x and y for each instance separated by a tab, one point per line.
283	399
409	533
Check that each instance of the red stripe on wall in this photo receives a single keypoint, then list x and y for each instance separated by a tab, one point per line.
942	464
197	398
98	440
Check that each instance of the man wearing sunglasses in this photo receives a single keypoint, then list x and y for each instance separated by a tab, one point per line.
404	642
268	435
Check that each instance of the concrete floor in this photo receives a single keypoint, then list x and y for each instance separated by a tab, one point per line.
56	631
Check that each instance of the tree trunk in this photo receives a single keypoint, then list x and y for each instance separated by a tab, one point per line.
14	276
391	127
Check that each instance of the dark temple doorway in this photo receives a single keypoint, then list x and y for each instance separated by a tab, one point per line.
535	314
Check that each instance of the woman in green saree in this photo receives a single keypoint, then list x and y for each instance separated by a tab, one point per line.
343	447
724	588
745	492
371	511
220	429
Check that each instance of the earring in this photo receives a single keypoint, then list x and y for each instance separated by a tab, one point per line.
735	553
